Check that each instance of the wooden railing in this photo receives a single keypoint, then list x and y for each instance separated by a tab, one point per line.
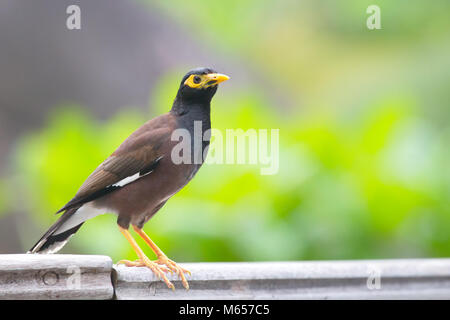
95	277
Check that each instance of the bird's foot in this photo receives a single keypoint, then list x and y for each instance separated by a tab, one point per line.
174	268
155	267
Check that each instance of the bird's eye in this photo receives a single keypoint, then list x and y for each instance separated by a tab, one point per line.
197	79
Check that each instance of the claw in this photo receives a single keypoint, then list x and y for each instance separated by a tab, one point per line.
129	263
155	268
174	268
162	258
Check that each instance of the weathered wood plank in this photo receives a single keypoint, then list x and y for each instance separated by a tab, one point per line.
35	276
368	279
89	277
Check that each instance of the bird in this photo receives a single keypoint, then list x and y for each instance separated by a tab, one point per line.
143	173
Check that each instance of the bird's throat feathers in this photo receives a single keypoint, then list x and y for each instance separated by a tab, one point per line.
193	105
188	115
196	119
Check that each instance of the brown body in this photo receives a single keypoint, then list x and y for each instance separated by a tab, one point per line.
138	201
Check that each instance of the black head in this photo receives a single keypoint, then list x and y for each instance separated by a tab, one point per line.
200	85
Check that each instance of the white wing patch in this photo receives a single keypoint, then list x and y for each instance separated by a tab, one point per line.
127	180
133	178
130	179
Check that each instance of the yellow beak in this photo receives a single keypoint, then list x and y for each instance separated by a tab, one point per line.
217	77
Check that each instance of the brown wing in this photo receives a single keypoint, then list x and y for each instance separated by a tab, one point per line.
137	154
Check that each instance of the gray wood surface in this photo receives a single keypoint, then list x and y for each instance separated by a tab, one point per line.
381	279
34	276
27	276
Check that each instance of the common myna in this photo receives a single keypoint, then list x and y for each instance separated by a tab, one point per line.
137	179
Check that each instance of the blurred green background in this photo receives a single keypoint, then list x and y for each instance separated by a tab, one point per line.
364	119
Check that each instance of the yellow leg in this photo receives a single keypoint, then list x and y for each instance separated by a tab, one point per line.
163	259
143	260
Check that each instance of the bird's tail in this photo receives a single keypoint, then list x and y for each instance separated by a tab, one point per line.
58	234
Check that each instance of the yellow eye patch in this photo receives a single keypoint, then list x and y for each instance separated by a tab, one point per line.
202	81
195	81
